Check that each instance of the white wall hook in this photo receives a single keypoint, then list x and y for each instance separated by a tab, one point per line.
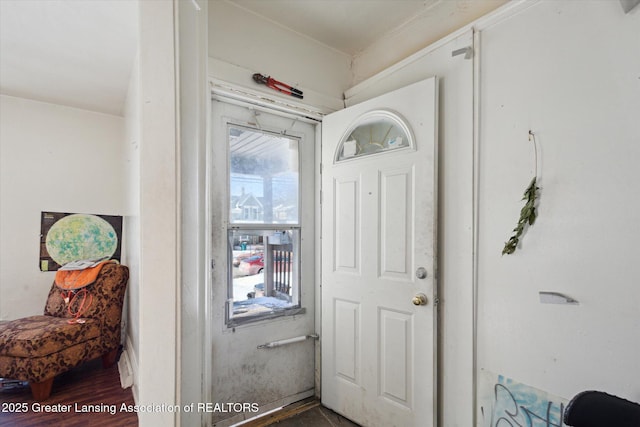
467	51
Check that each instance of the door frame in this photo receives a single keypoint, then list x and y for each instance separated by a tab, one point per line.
248	97
244	97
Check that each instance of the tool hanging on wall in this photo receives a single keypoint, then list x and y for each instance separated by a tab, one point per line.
276	85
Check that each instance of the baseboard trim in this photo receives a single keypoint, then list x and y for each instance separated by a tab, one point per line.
124	368
129	369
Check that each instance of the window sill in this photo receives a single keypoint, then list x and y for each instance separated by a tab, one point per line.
246	318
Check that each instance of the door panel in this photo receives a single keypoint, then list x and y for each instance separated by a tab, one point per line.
396	229
347	243
243	373
395	356
378	228
346	331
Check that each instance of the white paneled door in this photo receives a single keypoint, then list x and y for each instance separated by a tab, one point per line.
379	258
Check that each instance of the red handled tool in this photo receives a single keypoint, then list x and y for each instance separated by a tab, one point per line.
279	86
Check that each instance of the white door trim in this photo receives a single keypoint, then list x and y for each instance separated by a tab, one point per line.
238	95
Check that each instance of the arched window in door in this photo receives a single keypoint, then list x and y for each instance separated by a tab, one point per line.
373	133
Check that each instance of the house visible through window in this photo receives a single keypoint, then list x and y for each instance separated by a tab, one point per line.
264	225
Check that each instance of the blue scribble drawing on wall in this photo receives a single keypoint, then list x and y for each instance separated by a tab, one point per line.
518	405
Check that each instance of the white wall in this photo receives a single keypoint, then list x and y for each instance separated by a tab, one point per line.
194	106
241	44
131	220
568	71
151	230
52	158
419	32
158	225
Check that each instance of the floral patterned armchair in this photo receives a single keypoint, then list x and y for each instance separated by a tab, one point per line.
37	348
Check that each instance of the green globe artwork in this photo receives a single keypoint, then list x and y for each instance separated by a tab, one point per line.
81	236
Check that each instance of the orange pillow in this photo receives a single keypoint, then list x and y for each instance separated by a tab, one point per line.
76	279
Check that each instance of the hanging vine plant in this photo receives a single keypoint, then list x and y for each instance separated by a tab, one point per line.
528	212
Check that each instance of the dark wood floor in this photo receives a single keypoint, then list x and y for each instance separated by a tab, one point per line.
306	413
316	417
86	387
92	387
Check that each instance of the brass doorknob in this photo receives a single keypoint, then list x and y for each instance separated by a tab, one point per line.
419	299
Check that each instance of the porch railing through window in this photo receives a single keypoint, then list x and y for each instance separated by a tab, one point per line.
282	268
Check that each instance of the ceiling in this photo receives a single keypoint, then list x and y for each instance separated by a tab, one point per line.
349	26
71	52
80	52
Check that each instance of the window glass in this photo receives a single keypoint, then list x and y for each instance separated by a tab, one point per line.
265	277
375	132
264	177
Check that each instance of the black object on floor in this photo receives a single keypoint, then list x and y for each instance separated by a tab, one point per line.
599	409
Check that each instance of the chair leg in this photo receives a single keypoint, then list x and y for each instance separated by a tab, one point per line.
109	359
41	390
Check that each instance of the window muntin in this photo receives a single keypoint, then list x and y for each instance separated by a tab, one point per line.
374	132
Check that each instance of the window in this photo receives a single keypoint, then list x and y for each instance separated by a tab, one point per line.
264	225
372	133
264	182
